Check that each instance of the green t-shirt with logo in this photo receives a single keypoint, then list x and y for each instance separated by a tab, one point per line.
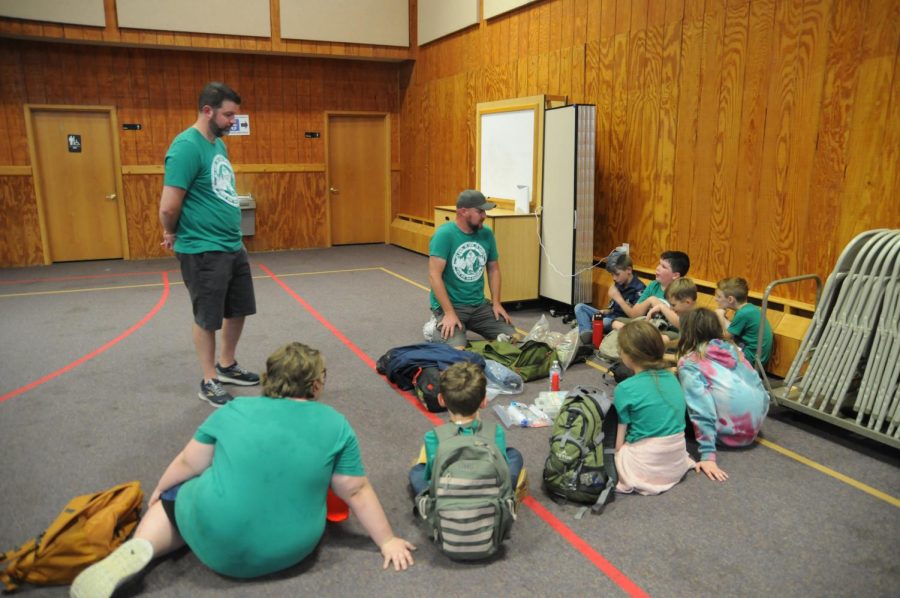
651	403
210	214
467	256
745	329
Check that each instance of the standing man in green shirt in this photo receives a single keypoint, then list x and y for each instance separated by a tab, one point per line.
201	220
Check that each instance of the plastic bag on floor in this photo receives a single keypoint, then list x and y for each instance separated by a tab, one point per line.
501	379
566	344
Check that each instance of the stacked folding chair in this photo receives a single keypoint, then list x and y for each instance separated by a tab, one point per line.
847	370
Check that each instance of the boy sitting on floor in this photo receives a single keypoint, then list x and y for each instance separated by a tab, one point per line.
743	328
681	297
672	266
463	386
626	283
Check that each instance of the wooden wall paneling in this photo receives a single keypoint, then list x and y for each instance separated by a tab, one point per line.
860	205
594	11
634	192
32	69
667	125
597	79
705	151
577	82
746	234
290	211
779	115
554	25
688	123
616	208
266	112
809	71
887	183
141	202
830	159
567	35
727	140
649	139
20	243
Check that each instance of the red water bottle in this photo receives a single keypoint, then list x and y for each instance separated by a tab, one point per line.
597	330
555	375
337	509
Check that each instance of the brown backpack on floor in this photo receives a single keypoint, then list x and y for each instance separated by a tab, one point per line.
89	528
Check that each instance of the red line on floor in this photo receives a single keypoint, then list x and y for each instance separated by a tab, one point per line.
98	351
83	277
608	569
630	588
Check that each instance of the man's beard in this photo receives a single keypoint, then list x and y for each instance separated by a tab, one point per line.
218	131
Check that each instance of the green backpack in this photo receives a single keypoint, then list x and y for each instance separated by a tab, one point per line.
576	469
469	505
531	359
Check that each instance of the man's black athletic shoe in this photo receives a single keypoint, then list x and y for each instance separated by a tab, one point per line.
235	374
213	393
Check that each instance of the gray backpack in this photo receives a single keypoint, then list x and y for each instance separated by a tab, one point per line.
469	505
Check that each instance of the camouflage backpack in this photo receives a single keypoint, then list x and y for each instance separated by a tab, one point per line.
469	505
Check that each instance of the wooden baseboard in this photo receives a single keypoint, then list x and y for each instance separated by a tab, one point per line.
412	232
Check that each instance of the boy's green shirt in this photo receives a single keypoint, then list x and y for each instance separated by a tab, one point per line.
431	442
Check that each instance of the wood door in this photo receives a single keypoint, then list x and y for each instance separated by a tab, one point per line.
358	174
75	170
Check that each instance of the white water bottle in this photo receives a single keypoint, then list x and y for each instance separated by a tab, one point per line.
555	376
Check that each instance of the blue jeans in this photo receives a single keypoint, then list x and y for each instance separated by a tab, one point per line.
584	313
419	483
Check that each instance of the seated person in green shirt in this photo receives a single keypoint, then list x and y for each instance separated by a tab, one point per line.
463	386
681	297
248	492
743	328
672	266
651	453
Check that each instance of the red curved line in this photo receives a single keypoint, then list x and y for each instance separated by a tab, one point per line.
83	277
577	542
98	351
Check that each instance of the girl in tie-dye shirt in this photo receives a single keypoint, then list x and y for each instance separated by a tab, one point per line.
725	398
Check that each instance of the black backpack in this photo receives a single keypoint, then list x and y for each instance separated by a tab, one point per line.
427	382
579	469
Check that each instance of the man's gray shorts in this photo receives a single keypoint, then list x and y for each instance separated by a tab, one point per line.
477	318
220	285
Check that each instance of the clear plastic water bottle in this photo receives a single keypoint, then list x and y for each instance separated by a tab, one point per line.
555	376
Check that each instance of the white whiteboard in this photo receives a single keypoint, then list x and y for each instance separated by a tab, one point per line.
507	152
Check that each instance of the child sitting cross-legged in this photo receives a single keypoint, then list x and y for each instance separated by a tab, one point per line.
725	398
463	387
651	454
743	327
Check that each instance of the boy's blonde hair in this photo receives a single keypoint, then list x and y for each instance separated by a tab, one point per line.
463	386
641	341
291	371
734	287
682	289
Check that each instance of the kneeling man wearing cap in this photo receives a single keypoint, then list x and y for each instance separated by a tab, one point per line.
459	254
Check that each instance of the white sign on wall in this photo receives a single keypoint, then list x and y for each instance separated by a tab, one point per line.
241	125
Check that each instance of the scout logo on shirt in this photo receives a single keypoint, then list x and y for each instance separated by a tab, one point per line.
223	181
468	261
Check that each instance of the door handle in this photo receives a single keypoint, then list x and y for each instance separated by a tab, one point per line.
333	190
111	197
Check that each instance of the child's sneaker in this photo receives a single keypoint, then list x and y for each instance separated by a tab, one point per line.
235	374
213	393
101	579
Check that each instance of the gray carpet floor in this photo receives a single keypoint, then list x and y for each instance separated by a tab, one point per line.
125	403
